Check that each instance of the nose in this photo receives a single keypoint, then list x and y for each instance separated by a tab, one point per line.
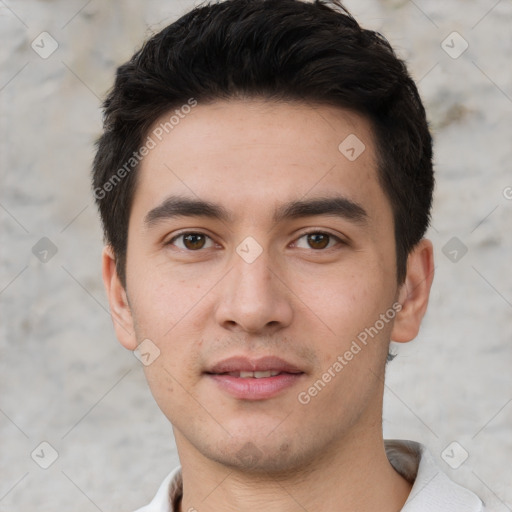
254	298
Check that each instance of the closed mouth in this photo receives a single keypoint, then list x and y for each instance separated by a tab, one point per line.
255	374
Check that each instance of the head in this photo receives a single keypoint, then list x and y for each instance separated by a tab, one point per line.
265	181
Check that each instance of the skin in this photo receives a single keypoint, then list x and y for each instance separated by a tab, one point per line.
304	304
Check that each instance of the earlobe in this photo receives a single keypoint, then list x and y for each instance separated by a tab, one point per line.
414	293
119	307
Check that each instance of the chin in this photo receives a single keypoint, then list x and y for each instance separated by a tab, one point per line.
251	458
261	454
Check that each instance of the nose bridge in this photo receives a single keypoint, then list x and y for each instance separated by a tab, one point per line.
252	278
253	296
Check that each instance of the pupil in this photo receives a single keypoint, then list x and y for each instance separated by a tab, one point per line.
194	241
318	240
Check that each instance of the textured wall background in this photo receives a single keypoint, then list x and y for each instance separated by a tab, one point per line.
64	378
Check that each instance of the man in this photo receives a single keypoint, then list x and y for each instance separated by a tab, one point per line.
265	182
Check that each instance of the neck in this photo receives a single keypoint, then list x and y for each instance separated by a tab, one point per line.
354	475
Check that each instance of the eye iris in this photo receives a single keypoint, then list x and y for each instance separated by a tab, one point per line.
194	241
318	240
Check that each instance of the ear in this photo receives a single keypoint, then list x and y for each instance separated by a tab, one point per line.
414	292
118	300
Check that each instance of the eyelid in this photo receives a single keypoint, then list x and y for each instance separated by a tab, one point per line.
187	232
338	238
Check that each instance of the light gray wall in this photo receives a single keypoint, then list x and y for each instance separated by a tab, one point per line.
64	378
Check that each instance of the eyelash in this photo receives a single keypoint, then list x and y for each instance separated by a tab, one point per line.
313	232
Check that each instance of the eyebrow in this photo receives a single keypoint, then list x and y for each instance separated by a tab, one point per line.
336	206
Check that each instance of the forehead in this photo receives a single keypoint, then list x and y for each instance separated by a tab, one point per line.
251	154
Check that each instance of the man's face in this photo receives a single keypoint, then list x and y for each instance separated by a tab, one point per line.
266	289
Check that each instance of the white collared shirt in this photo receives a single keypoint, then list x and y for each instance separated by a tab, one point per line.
432	490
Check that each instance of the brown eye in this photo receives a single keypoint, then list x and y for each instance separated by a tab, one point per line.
318	240
194	241
190	241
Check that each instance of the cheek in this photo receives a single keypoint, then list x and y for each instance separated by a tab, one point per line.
343	296
347	305
160	301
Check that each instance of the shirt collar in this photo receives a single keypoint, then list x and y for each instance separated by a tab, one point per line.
432	489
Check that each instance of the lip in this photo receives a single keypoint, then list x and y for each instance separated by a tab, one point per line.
247	364
254	388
